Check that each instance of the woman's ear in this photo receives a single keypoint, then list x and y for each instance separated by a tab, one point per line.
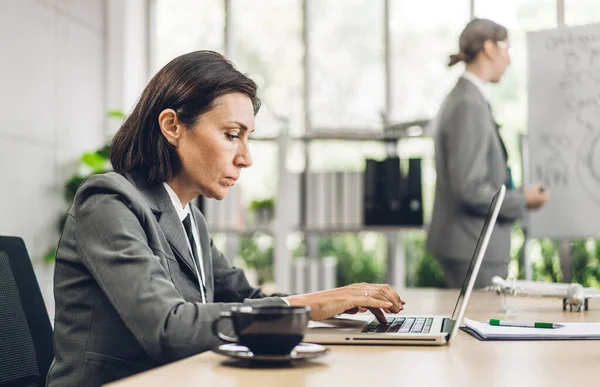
170	126
488	48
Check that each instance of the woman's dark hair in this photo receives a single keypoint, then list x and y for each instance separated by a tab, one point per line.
189	85
473	37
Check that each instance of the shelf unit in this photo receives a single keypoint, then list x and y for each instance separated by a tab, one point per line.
283	225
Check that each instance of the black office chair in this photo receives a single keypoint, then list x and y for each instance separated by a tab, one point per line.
26	349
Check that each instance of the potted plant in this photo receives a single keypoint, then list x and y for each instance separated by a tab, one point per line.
263	211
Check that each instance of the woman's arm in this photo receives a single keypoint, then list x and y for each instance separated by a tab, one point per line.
466	157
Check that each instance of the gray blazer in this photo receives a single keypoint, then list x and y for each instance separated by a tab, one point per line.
471	166
127	295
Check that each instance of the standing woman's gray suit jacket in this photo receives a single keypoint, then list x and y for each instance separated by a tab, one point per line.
127	295
471	166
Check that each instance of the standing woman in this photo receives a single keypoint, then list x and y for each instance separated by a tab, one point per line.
471	163
138	280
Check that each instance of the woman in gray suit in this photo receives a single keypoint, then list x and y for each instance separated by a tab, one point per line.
138	280
471	163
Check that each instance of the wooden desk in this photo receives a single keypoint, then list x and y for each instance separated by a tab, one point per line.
465	362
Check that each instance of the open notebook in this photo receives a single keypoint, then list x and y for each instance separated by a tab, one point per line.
570	331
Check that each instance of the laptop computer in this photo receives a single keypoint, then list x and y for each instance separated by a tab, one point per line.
409	330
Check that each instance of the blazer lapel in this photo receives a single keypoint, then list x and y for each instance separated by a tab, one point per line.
160	203
175	233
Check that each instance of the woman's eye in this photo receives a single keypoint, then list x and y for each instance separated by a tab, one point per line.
231	137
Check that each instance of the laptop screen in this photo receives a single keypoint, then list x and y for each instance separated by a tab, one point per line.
480	244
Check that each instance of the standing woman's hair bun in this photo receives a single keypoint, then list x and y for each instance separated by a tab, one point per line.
454	59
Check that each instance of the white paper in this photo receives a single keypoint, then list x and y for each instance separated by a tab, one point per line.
569	331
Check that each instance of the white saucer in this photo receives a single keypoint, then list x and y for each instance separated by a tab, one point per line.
302	351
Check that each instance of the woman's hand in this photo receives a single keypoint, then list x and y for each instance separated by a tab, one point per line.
536	196
351	299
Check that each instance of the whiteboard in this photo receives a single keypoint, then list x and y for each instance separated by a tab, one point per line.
564	130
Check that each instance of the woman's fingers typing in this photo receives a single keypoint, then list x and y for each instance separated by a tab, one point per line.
355	298
391	295
379	315
382	292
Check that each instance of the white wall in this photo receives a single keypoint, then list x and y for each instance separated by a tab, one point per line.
52	108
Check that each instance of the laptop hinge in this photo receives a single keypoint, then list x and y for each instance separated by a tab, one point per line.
447	325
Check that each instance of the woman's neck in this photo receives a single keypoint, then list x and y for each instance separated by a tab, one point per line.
479	70
184	194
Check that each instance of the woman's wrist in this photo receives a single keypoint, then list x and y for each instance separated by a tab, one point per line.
299	300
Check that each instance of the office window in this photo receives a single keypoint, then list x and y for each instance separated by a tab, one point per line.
423	34
346	49
180	26
582	12
344	155
268	47
260	180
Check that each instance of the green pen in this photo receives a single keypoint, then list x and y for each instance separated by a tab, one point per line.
524	324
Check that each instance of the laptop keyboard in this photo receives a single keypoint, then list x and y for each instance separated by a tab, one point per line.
401	325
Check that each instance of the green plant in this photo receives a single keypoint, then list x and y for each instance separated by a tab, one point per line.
90	163
422	268
549	268
264	204
429	273
586	270
585	257
355	261
258	254
517	252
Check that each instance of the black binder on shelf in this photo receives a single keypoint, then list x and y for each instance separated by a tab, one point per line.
413	201
391	199
372	193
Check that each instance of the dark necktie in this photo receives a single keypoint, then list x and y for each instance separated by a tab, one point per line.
187	224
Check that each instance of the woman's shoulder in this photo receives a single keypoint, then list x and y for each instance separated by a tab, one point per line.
107	179
108	184
116	188
462	96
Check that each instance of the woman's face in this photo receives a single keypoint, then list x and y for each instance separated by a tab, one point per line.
500	59
214	151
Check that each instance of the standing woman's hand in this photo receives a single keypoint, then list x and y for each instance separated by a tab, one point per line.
536	196
351	299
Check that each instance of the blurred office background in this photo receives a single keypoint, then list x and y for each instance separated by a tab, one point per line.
334	75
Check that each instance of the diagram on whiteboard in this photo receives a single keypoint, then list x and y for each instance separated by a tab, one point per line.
552	170
564	130
588	164
587	112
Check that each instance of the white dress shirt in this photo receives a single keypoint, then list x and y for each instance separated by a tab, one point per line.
481	85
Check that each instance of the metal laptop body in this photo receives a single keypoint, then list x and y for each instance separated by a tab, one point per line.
409	330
